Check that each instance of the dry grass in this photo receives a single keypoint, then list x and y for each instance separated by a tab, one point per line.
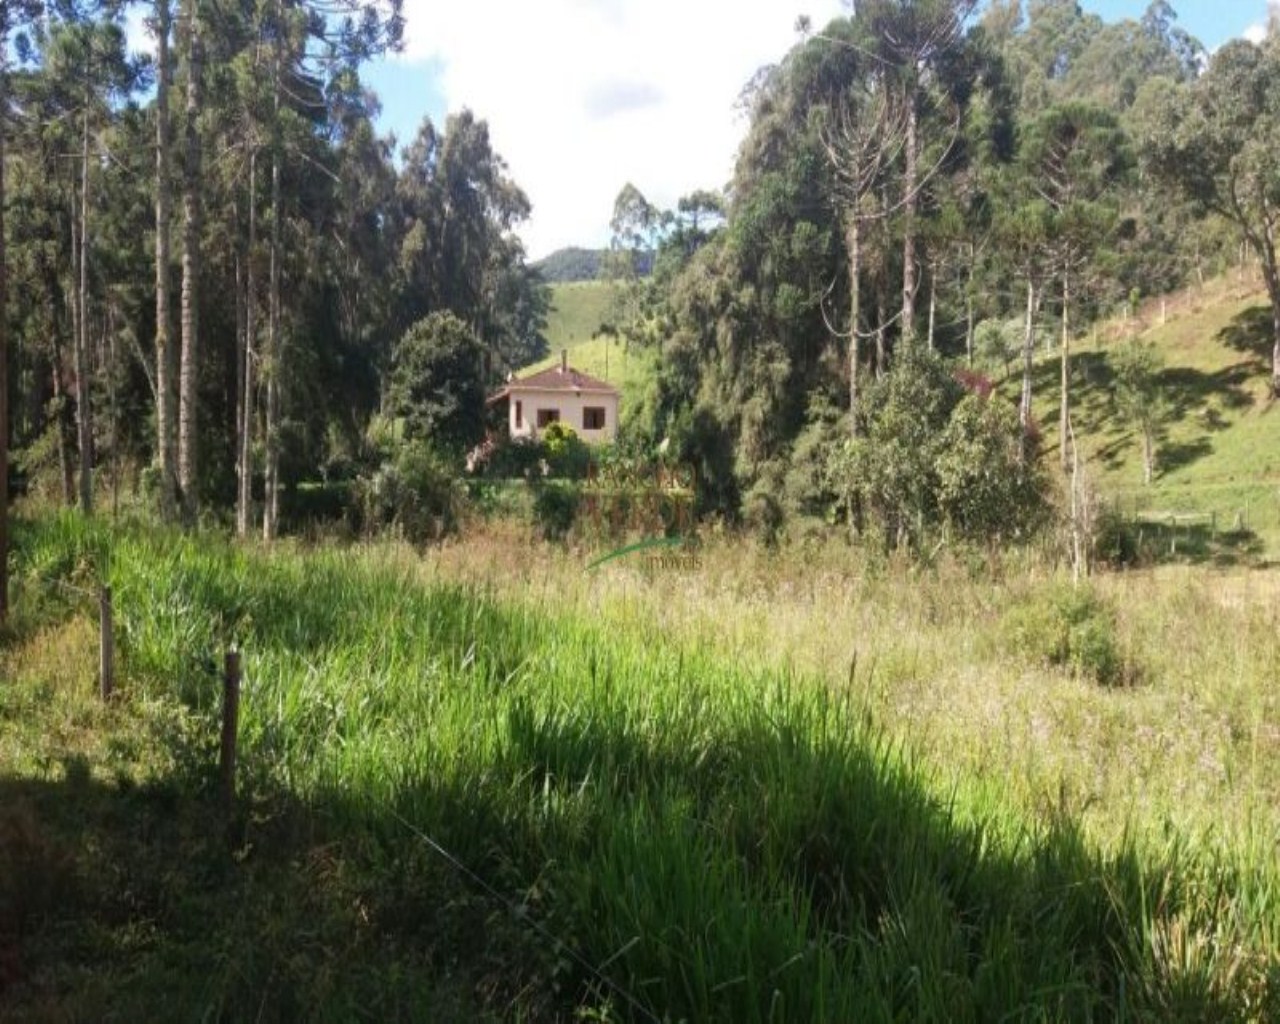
1194	745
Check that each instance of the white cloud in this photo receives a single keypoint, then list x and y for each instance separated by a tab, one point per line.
1257	32
582	96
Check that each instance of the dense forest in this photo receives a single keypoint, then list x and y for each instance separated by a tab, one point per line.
211	254
959	182
222	280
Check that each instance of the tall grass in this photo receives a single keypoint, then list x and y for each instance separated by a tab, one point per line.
724	839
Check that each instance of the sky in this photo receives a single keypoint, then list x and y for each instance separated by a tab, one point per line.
583	96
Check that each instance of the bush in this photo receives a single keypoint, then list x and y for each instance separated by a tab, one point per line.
555	506
931	455
437	383
1069	627
418	492
515	458
568	456
1115	540
761	510
985	490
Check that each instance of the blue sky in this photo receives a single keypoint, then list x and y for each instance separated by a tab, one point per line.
583	96
1213	22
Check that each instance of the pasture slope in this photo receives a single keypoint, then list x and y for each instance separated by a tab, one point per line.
1220	450
578	309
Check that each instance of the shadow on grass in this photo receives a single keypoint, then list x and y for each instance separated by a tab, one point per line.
788	863
1252	332
1177	454
794	861
1148	542
144	904
1195	396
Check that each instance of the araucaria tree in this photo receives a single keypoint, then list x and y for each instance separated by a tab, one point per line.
1075	163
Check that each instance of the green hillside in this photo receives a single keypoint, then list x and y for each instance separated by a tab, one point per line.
1219	453
578	309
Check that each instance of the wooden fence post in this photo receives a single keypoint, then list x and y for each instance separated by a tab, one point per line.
230	725
106	645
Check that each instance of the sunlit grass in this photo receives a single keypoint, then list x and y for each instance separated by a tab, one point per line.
1219	452
737	832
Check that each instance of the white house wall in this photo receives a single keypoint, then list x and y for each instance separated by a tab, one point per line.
570	405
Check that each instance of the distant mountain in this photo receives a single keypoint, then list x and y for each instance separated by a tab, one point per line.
571	264
577	264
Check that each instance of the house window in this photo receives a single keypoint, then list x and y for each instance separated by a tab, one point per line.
546	417
593	418
519	414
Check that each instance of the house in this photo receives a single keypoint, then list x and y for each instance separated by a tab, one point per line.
560	394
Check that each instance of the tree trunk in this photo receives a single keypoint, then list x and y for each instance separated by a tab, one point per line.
1028	354
271	497
166	435
853	241
1079	528
933	303
237	397
1275	334
1064	406
882	356
63	426
1148	454
189	378
110	356
84	419
909	224
1271	276
244	499
4	360
968	313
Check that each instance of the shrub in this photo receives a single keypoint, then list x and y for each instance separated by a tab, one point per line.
418	492
761	510
1070	627
1115	540
985	490
929	454
517	457
567	454
555	506
807	487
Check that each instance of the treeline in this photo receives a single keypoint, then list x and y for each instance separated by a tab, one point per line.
935	186
210	254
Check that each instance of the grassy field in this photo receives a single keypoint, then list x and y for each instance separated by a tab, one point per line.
664	812
1221	447
578	308
577	311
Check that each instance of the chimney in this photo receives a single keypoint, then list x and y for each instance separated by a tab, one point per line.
564	360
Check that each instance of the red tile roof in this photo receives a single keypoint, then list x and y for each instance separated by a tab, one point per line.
556	379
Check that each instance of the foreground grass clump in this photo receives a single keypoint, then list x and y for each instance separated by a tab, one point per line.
720	843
